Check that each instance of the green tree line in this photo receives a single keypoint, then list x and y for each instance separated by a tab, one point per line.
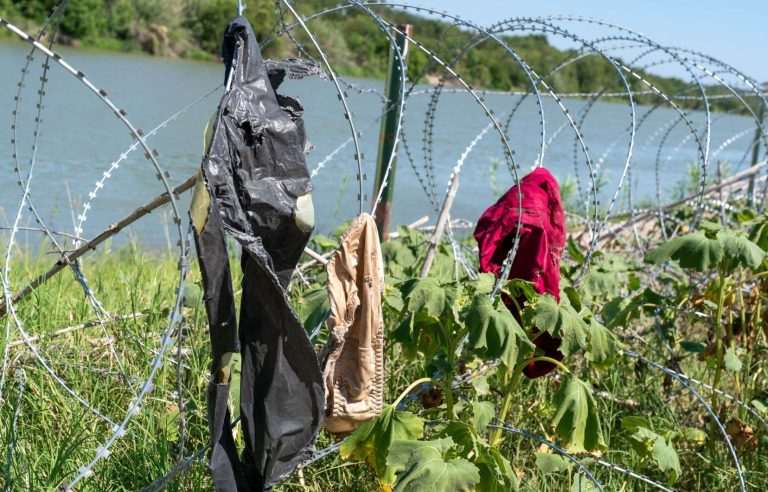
353	41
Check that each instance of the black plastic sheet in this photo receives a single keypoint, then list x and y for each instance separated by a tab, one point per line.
259	189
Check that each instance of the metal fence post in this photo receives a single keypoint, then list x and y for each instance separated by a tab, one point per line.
756	153
388	133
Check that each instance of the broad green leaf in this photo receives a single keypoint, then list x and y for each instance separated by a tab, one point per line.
695	250
394	299
482	414
572	329
732	361
312	307
604	347
481	386
398	258
740	251
424	466
560	320
760	406
419	332
759	232
576	420
551	463
168	423
494	332
633	422
400	451
598	284
709	249
193	294
547	315
485	283
426	294
659	449
371	442
465	436
694	435
574	252
496	473
517	288
573	297
582	484
619	311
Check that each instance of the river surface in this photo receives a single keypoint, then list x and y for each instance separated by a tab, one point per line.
81	138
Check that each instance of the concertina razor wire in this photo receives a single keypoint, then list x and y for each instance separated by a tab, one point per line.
614	46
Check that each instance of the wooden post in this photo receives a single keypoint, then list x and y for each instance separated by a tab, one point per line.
388	134
442	220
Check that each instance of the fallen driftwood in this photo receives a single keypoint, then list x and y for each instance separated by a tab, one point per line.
91	245
644	220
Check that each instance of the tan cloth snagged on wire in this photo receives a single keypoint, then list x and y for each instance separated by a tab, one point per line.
353	359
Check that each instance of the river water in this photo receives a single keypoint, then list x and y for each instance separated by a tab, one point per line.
80	139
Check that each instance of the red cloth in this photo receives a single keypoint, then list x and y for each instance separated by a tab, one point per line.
542	239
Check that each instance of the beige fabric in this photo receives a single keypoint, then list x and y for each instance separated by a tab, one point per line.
353	359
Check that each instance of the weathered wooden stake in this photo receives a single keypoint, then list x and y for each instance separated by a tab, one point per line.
388	134
442	220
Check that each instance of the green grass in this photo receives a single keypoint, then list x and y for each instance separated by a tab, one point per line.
54	434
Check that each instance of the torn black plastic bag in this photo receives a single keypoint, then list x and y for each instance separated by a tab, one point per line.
257	190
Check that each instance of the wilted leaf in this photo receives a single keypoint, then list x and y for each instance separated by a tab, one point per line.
494	332
604	347
576	420
371	442
424	466
551	463
562	321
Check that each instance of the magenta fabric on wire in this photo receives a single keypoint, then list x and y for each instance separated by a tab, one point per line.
542	239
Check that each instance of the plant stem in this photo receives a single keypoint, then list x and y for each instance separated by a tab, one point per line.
514	381
718	345
448	376
508	390
412	386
